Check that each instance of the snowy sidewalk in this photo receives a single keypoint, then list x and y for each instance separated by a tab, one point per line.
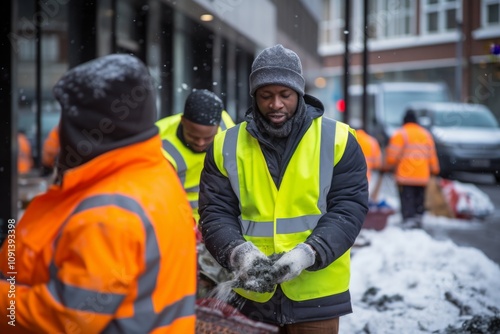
405	281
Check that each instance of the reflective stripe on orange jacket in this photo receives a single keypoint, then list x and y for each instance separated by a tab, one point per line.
371	150
51	147
412	152
111	250
24	158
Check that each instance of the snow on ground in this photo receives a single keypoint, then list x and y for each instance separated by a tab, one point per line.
405	281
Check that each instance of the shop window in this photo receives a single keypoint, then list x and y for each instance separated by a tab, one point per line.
50	48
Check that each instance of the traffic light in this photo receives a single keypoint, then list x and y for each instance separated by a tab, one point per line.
340	105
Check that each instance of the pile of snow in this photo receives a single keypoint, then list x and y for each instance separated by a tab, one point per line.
466	199
404	281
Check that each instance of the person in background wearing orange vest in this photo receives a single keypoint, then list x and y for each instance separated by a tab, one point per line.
411	154
370	147
50	150
110	247
24	157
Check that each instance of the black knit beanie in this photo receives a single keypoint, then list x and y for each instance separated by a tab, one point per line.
277	66
203	107
410	117
106	103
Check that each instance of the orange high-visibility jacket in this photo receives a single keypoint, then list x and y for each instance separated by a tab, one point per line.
371	150
51	147
111	250
24	158
412	152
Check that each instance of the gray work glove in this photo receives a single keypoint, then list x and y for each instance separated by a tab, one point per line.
291	264
252	268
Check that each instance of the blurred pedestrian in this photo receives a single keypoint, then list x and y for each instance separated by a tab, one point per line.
50	151
411	155
110	247
370	147
291	184
187	136
24	157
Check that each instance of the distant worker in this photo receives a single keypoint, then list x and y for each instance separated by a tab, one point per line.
411	155
370	147
186	138
24	157
109	248
50	150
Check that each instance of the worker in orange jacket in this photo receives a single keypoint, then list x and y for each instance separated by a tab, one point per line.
110	247
411	154
24	158
50	150
371	149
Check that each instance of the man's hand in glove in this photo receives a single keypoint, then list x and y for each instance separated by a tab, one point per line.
252	268
291	264
243	256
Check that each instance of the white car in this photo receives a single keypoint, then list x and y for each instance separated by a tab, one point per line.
467	136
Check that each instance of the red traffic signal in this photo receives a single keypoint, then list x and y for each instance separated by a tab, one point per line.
340	105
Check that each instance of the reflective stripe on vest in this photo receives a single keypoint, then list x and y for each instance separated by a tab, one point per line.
276	220
181	167
186	163
414	150
107	303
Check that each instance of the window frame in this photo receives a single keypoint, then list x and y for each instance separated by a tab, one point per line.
395	26
484	12
440	8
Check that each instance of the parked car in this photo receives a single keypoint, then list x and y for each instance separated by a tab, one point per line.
467	136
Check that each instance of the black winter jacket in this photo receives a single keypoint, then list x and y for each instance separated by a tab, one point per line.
335	233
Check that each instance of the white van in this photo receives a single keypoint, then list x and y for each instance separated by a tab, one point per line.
386	104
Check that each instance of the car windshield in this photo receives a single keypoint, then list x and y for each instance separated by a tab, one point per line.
465	119
395	103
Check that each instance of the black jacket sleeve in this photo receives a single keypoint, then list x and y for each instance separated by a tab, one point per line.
347	205
219	211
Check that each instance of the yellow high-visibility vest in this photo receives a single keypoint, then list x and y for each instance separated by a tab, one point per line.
276	220
187	163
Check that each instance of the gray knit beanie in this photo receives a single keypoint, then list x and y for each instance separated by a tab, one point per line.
277	66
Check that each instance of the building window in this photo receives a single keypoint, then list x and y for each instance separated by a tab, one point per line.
490	13
391	18
332	23
386	19
50	49
439	16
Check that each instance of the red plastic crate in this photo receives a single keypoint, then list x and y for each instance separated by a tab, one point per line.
377	219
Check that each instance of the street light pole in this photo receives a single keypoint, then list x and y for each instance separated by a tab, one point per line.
347	15
364	109
459	54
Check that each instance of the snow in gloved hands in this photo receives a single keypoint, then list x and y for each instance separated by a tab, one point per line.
262	277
